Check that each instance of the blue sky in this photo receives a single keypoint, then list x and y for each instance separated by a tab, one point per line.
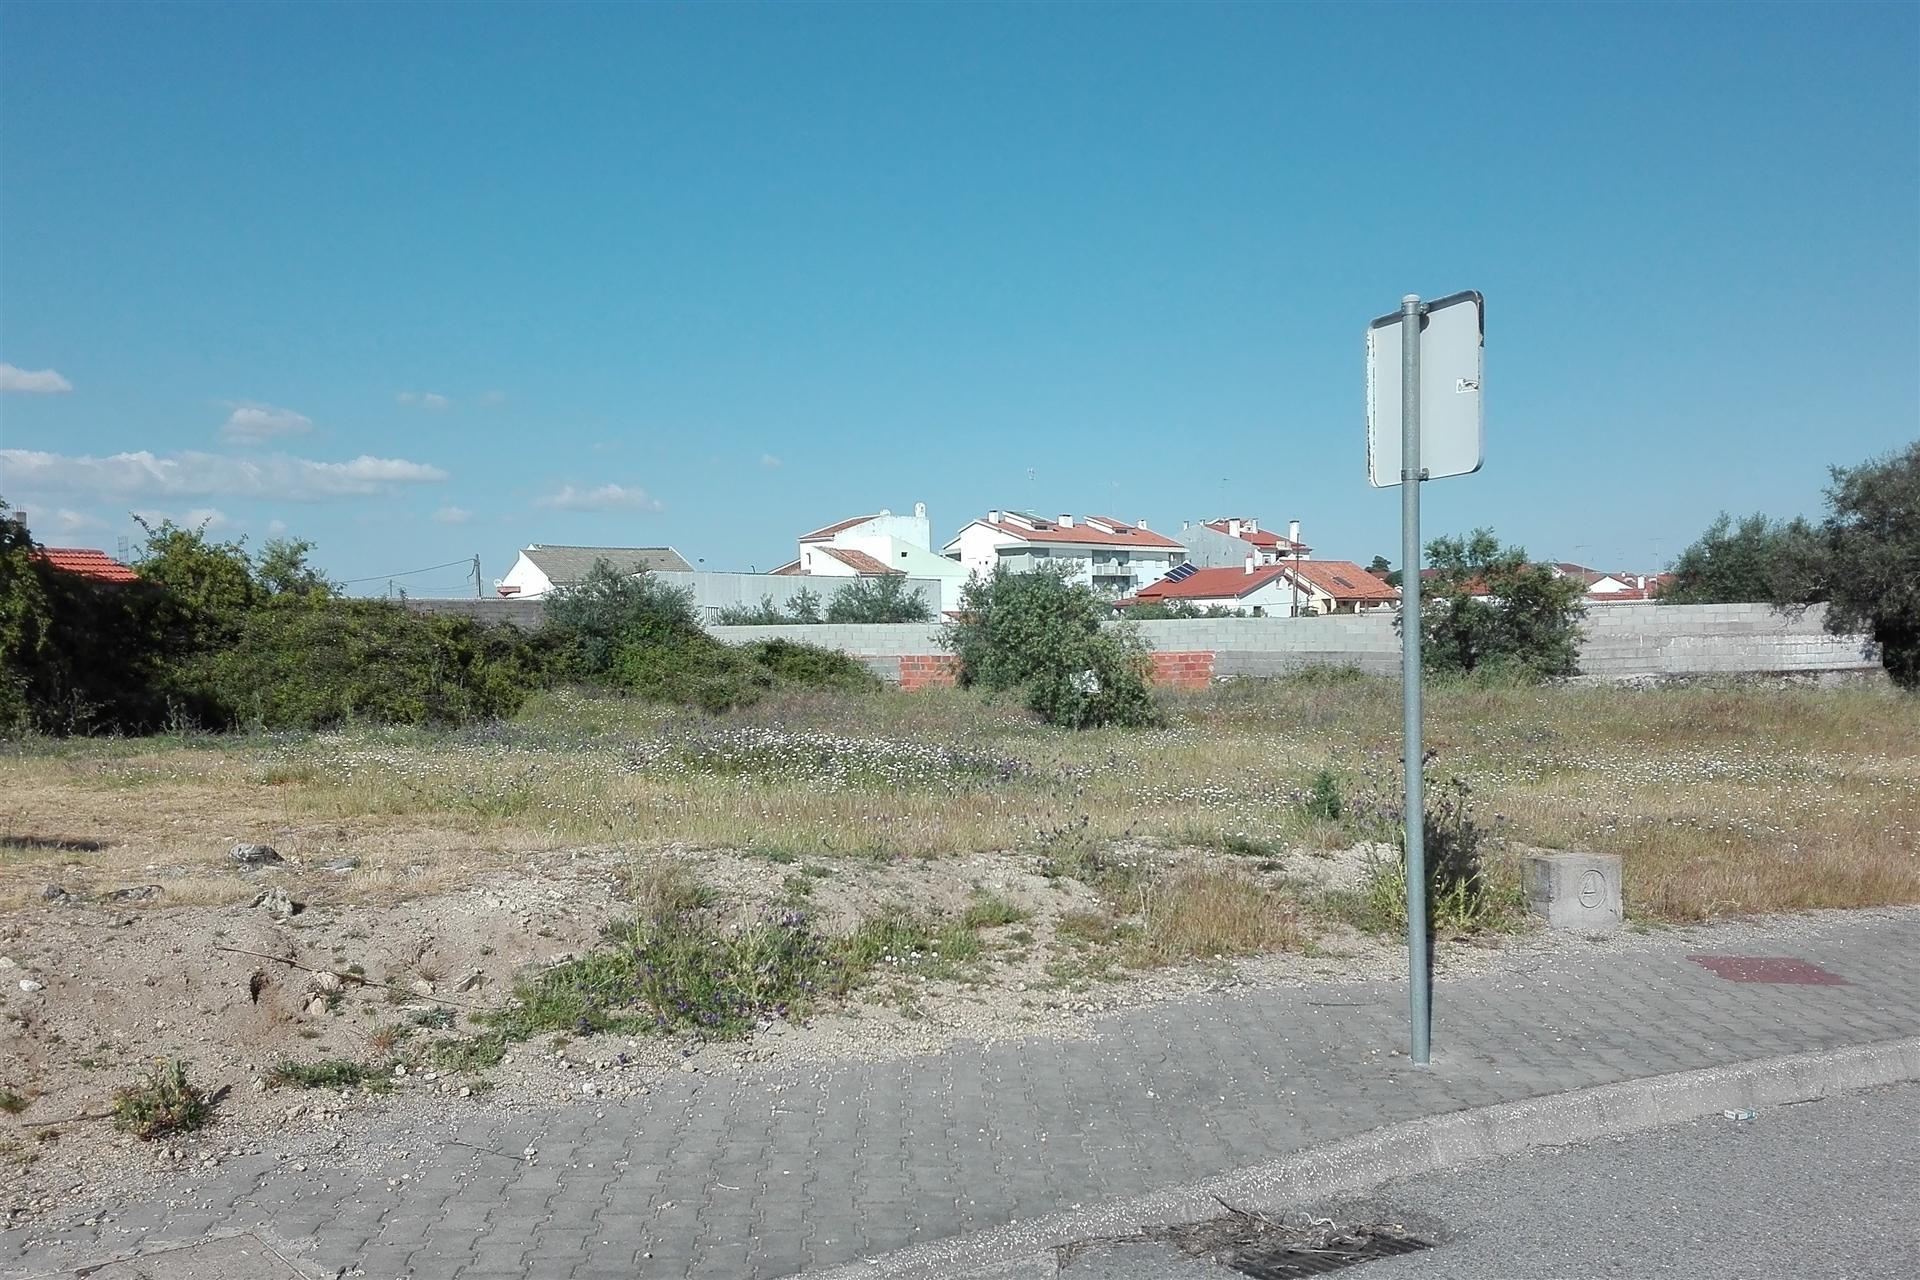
422	282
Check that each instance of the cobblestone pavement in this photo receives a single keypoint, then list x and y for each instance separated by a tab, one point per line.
768	1175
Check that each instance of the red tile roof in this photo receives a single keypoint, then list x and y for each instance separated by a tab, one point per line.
87	563
1341	579
1211	584
821	535
1083	533
789	569
858	561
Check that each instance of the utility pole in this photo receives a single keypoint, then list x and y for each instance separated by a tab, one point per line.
476	578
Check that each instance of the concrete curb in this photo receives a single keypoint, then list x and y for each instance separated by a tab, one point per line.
1024	1250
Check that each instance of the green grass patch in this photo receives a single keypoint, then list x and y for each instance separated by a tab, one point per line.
329	1073
161	1102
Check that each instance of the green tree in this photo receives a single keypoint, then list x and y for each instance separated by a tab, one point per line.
1383	567
282	570
764	614
879	598
1757	560
1868	564
589	622
26	616
1037	633
1488	611
206	586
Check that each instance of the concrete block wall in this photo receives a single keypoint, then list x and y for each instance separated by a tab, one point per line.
1621	640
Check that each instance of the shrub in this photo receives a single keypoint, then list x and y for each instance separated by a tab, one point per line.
1752	561
1464	895
1868	564
881	598
1487	611
1037	633
589	623
690	668
161	1102
1324	800
764	614
810	666
328	1073
301	665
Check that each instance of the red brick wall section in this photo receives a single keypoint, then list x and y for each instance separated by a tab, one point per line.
919	670
1192	669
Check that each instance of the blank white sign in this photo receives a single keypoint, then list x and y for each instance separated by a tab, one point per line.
1452	346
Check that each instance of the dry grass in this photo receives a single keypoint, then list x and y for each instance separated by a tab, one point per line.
1206	913
1722	799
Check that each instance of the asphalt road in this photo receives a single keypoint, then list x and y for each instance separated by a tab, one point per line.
1820	1189
1829	1188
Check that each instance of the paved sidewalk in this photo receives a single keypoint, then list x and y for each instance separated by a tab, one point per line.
766	1176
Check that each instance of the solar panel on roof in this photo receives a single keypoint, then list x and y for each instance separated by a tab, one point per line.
1343	582
1180	573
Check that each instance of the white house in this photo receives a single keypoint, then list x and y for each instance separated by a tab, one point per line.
543	568
1287	589
879	544
1112	557
1224	543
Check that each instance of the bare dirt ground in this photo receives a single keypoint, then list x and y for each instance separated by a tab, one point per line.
98	987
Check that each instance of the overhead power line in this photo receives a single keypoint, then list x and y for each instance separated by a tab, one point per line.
406	573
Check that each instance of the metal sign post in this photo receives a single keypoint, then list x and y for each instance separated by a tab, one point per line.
1419	972
1437	411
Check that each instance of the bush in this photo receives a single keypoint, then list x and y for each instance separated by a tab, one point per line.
1155	610
764	614
810	666
1867	567
1490	613
1754	561
295	665
328	1073
161	1102
690	668
1037	633
587	625
1464	895
882	598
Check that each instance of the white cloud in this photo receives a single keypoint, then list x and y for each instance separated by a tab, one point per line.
491	398
276	527
770	462
67	520
608	497
425	399
211	517
452	515
250	422
193	474
44	382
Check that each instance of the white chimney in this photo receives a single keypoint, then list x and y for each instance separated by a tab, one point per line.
1233	528
1066	521
993	517
919	511
1252	560
1293	531
1253	525
1139	524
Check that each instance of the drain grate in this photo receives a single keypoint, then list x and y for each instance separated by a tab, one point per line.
1290	1262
